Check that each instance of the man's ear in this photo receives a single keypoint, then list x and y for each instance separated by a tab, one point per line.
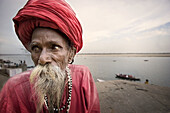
28	47
72	55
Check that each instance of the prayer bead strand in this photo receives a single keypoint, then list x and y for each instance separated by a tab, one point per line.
69	96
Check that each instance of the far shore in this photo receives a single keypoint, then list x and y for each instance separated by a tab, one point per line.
127	54
109	54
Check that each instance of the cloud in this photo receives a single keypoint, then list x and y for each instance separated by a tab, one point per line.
162	31
125	19
153	40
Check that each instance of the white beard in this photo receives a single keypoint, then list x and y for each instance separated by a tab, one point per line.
48	80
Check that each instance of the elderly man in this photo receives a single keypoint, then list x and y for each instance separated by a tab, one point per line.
51	32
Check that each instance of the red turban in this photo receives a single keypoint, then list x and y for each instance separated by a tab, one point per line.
55	14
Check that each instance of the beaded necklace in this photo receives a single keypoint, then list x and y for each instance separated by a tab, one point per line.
69	96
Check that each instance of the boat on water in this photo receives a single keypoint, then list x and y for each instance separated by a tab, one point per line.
127	77
146	60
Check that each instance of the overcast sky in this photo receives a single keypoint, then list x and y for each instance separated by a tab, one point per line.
114	26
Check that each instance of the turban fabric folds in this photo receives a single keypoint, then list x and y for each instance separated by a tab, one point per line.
55	14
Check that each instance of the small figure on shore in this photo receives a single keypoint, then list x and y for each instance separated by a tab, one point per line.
147	81
24	66
20	64
15	64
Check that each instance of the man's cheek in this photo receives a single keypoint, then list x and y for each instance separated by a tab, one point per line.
35	59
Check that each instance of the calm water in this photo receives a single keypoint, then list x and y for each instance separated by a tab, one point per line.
156	69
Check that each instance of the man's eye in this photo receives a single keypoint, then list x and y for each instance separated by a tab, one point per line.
35	49
56	47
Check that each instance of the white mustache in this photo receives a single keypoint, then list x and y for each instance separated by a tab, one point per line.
46	71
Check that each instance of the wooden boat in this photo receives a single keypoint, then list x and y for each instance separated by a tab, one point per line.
127	77
146	60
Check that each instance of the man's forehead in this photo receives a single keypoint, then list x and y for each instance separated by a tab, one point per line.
47	36
46	33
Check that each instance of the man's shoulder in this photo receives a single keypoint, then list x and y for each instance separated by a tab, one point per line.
18	79
80	68
80	72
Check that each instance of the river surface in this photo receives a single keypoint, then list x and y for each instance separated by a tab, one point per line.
155	69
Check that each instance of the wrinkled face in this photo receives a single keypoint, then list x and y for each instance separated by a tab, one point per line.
49	46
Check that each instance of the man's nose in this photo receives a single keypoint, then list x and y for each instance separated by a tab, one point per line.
44	57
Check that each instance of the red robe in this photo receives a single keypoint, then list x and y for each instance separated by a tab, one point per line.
17	94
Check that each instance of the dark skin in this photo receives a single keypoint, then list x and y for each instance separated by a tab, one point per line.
50	47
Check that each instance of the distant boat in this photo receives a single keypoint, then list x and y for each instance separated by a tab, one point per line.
146	60
114	60
100	80
127	77
30	66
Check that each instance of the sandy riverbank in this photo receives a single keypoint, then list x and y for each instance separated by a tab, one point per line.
121	96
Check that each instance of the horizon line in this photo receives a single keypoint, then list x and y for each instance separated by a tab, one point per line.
94	53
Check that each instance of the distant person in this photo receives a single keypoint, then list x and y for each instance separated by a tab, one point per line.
20	64
50	31
24	66
147	81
